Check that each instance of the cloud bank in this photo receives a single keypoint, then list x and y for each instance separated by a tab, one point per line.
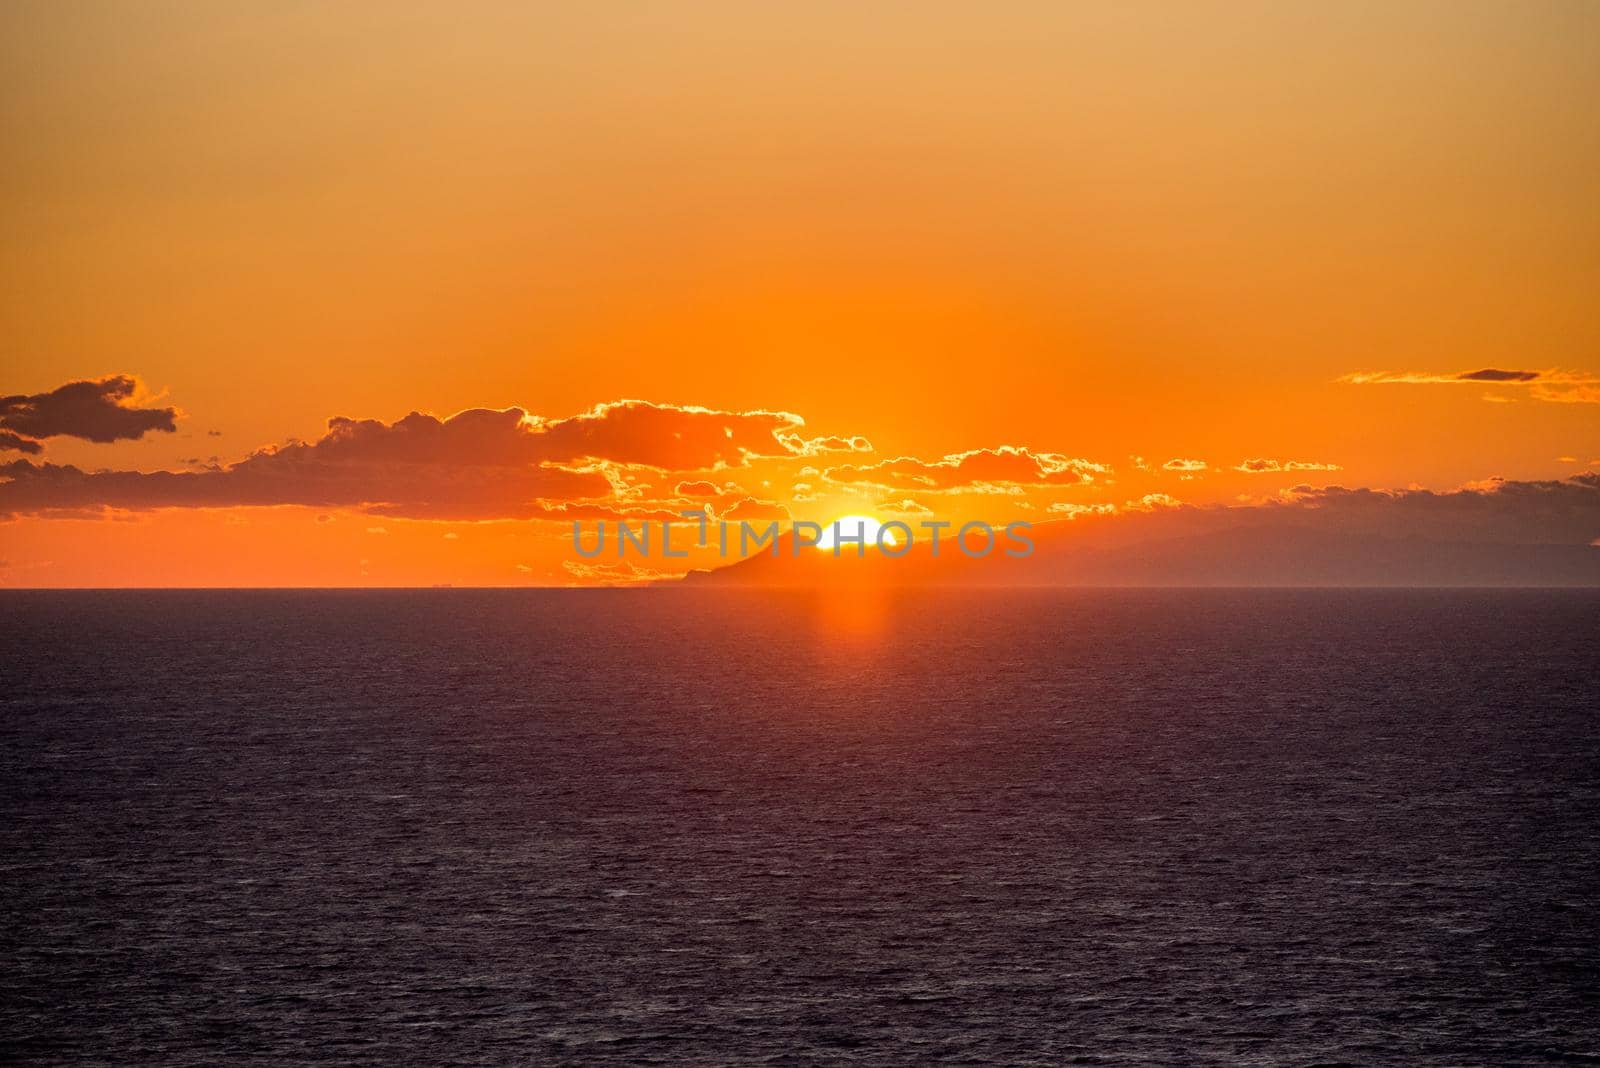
477	464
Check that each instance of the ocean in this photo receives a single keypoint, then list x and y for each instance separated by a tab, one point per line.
729	827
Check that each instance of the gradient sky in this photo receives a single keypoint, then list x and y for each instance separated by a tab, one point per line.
1123	234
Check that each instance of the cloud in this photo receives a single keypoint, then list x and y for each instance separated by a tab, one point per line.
17	442
1494	374
100	410
1006	468
1259	466
905	506
1186	466
1151	502
410	491
730	502
1073	511
753	510
1575	391
1428	378
666	436
816	446
476	465
701	488
1553	386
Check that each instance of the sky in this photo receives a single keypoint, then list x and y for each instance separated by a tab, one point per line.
1001	261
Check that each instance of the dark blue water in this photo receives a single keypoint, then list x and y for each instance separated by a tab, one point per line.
665	827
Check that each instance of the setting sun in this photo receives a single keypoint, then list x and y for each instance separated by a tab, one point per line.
849	527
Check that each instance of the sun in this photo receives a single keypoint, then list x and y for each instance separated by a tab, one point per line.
849	526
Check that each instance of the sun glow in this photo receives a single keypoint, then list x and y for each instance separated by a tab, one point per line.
849	527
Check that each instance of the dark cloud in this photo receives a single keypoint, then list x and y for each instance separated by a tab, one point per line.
478	437
1003	468
479	463
1554	386
416	491
476	465
1494	374
97	410
17	442
665	436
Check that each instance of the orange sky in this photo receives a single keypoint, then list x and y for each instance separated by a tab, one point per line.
1092	231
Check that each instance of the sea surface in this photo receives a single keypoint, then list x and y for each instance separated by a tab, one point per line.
720	827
